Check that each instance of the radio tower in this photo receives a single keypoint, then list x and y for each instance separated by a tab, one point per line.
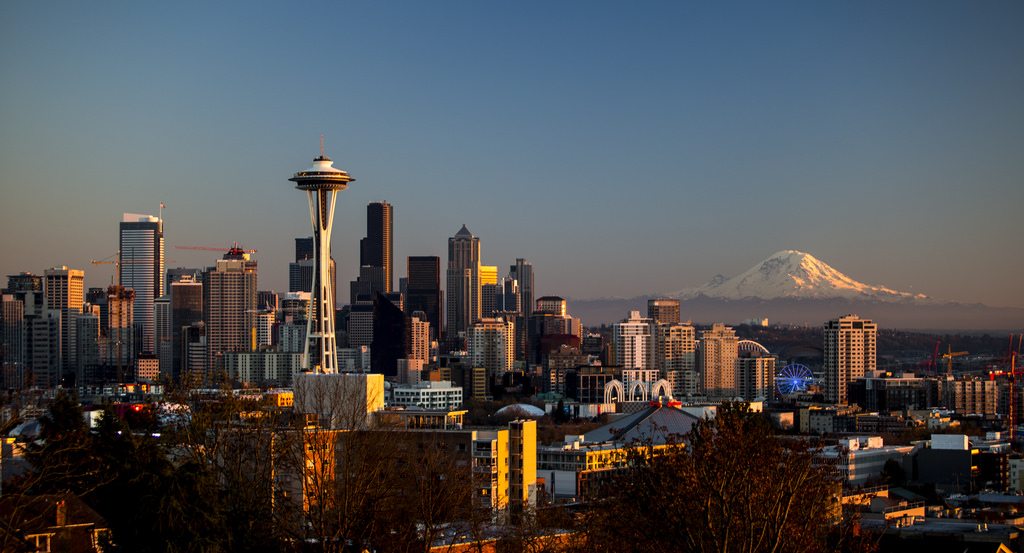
321	183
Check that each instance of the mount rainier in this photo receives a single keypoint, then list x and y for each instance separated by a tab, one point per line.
795	275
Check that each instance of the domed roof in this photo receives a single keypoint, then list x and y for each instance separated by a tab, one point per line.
522	409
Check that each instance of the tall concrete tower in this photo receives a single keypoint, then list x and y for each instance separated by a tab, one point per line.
322	184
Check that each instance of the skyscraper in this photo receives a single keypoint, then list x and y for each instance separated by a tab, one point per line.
376	249
142	268
392	336
850	353
522	272
463	284
229	307
488	290
163	336
424	286
88	345
186	310
12	344
65	293
304	249
321	182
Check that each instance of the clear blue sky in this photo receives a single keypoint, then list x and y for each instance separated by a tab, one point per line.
623	149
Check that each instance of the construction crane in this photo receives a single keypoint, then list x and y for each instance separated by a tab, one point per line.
117	262
950	355
234	251
932	362
1013	386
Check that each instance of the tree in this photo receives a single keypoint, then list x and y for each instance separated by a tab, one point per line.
729	486
892	474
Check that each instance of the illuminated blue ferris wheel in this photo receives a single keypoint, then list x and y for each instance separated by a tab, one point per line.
793	378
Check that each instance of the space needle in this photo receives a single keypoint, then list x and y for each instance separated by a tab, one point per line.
322	184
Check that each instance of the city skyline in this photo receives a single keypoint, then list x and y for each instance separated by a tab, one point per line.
589	139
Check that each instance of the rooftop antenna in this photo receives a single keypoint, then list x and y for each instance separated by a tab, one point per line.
321	145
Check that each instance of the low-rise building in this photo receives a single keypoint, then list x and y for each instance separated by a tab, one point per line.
857	459
428	395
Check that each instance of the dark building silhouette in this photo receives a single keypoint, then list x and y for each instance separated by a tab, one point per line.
424	290
300	273
304	249
375	250
392	336
186	311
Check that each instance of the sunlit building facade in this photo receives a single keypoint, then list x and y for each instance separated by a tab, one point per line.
850	353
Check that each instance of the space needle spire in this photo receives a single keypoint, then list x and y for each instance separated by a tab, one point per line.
322	182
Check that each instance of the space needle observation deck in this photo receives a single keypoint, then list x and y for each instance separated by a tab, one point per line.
321	182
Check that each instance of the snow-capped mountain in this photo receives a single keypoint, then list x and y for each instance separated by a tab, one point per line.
795	275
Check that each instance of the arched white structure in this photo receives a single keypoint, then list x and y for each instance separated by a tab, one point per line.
751	346
638	391
614	391
661	388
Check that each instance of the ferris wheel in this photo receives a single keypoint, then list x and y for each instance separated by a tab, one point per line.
793	378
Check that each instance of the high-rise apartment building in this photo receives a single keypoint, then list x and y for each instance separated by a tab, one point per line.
65	293
229	307
142	268
850	353
754	376
419	340
718	353
634	342
424	290
491	344
463	284
675	355
376	249
663	310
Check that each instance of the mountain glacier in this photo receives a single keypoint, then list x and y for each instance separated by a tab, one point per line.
795	275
